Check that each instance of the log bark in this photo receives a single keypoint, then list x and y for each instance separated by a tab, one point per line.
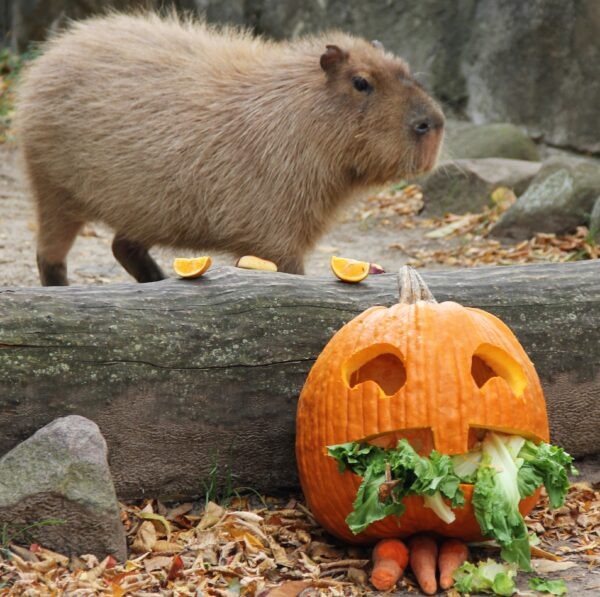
184	377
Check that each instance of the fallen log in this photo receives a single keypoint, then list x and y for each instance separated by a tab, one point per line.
188	377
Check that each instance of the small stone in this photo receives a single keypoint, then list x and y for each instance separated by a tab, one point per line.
61	472
463	186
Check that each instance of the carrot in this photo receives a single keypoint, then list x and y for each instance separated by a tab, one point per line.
453	554
423	557
390	557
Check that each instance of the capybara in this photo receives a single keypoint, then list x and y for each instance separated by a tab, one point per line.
176	133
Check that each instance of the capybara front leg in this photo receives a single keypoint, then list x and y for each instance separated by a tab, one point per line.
135	258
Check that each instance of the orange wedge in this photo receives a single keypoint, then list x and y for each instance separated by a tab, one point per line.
349	270
252	262
191	268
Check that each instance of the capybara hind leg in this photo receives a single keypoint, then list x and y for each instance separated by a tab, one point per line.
136	260
55	239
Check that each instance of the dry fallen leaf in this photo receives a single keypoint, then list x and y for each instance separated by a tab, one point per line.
542	566
145	538
213	513
161	520
289	589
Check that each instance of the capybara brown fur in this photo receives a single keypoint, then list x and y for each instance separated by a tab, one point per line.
176	133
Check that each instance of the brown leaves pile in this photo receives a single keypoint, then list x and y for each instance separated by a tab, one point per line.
277	550
572	532
220	552
465	239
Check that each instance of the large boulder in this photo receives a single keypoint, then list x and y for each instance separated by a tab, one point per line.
61	473
537	64
463	186
560	198
499	140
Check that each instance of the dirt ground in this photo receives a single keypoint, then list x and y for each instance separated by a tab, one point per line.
91	260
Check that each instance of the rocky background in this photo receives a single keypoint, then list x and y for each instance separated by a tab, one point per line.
535	64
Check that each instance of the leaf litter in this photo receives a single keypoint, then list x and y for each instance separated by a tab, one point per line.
259	551
465	240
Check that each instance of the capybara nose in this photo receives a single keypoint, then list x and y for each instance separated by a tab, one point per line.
425	124
422	127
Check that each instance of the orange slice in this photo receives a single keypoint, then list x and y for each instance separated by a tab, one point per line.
252	262
349	270
191	268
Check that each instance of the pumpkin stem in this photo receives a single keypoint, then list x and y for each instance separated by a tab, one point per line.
412	287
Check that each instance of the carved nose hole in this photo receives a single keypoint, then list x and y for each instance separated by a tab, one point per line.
491	361
381	364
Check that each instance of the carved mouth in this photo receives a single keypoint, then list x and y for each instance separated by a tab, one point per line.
422	439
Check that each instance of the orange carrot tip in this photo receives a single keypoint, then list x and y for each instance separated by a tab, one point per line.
423	560
390	558
453	554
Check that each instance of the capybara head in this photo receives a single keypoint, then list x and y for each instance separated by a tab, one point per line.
397	125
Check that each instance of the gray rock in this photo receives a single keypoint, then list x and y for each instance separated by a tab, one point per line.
595	221
463	186
500	140
537	64
61	472
560	198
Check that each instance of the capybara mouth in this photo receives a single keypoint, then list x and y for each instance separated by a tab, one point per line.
428	151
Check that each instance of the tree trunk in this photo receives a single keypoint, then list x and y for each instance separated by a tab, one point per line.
184	377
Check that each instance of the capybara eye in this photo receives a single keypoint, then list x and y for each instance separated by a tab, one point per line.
361	84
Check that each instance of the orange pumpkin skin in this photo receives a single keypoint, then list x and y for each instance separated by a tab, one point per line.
432	360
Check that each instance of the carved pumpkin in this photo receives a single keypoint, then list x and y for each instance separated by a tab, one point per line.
438	374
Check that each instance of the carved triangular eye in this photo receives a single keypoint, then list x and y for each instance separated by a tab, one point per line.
381	363
490	361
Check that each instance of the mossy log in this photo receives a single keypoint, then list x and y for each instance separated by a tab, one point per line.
187	376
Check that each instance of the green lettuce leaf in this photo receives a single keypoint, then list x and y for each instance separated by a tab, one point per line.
466	465
555	587
528	481
368	508
496	502
355	457
551	465
485	577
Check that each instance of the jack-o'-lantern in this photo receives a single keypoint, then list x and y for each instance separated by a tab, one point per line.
438	374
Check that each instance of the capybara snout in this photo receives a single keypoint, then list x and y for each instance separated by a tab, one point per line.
175	133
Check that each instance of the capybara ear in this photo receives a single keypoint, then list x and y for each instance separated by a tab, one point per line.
333	57
377	44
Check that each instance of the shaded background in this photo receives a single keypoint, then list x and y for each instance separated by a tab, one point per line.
535	64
